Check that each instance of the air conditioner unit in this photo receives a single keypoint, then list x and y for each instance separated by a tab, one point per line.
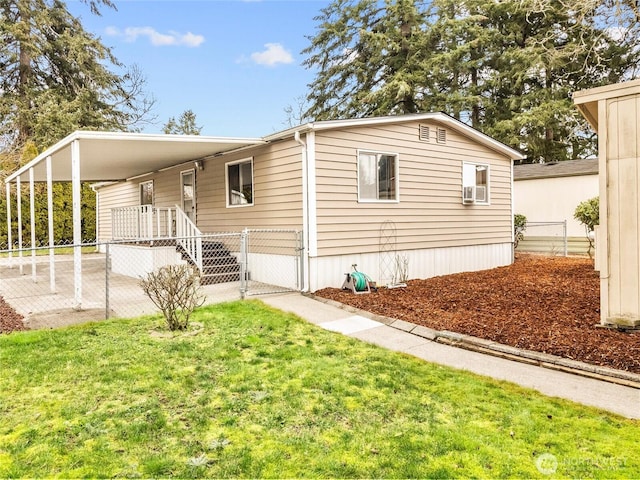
481	194
468	194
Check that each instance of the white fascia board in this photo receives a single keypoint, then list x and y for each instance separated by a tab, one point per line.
95	135
351	122
486	140
65	142
289	132
129	136
433	116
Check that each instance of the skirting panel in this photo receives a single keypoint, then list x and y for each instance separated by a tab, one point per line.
137	261
330	271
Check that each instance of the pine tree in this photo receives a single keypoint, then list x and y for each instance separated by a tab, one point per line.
368	56
55	76
185	125
507	68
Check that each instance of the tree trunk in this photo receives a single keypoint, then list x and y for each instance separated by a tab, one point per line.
25	72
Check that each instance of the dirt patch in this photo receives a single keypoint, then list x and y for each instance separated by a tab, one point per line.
10	320
63	317
545	304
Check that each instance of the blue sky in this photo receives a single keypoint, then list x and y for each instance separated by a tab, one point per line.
235	63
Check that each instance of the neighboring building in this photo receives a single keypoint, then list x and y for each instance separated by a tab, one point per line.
550	193
612	111
437	190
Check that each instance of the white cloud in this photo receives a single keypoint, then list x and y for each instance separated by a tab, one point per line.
273	54
157	39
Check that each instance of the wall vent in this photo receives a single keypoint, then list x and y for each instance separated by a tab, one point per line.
423	133
442	135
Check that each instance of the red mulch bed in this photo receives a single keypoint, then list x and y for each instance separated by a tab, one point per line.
545	304
10	320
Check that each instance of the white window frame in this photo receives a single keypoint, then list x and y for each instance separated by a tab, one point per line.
192	172
468	182
141	189
226	183
396	177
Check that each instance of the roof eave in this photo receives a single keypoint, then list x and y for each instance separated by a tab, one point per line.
433	116
48	152
129	136
544	177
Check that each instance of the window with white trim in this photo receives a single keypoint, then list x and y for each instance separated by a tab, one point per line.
146	193
377	177
475	183
239	180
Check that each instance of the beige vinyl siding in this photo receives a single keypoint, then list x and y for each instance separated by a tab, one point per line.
430	213
125	194
623	209
277	191
277	176
166	187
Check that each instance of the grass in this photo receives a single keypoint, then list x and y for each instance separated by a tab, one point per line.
43	251
260	393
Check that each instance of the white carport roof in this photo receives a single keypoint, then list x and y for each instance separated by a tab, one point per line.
113	156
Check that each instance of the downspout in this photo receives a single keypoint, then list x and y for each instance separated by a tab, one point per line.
305	213
513	212
94	189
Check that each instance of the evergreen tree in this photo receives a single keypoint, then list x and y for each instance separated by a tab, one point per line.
185	125
368	56
507	68
55	78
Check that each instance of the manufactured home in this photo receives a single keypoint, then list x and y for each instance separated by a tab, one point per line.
425	189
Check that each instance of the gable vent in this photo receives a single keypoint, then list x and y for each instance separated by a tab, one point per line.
441	135
423	133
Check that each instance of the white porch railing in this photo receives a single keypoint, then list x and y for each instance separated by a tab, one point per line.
143	222
189	237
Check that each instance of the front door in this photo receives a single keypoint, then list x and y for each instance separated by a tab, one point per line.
188	185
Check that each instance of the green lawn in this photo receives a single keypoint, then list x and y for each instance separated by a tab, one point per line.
260	393
42	251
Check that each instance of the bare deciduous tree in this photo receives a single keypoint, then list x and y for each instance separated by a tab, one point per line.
174	290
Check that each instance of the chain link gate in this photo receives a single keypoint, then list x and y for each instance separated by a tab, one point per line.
39	283
271	261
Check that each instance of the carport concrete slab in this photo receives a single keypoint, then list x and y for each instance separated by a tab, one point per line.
350	325
44	309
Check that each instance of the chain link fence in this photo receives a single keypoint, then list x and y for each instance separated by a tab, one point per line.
44	285
549	238
273	262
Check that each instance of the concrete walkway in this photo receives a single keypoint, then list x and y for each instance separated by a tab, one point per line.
620	399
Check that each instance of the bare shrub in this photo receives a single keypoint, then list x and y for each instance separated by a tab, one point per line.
174	290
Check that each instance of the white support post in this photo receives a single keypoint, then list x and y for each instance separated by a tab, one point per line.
150	221
9	225
77	224
19	209
32	224
52	263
